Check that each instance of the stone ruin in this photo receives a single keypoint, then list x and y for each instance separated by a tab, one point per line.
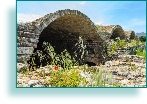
130	34
112	31
62	30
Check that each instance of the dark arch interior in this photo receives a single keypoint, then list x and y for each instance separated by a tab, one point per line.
90	63
59	39
118	32
63	33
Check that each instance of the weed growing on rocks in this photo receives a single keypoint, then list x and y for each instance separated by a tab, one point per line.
65	78
141	53
102	78
80	51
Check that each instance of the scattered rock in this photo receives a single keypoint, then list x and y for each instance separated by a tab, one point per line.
33	82
121	69
21	67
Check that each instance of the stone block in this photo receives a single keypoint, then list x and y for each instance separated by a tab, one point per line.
24	50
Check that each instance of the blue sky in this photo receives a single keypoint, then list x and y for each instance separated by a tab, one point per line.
131	15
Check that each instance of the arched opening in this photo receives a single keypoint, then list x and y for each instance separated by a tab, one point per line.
118	32
90	63
63	33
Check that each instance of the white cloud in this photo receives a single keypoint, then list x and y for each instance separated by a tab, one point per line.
135	23
21	17
138	25
82	3
98	23
101	21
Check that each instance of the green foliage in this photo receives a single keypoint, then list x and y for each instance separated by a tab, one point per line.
121	43
134	42
101	78
112	48
42	74
65	60
80	51
49	49
133	68
142	38
73	78
115	45
24	69
66	78
117	85
141	53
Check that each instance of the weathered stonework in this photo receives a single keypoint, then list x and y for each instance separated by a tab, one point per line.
130	35
62	30
112	31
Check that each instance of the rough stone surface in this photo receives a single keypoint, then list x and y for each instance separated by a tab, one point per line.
130	35
67	25
112	31
62	30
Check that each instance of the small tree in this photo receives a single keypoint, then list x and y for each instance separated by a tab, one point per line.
142	38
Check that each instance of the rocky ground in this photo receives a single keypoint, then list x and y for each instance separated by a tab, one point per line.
127	71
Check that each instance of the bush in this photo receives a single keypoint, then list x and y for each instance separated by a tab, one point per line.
48	56
141	53
63	59
142	38
112	48
65	78
80	51
121	43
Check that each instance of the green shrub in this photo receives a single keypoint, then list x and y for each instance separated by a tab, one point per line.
101	78
66	78
112	48
141	53
80	51
65	60
134	68
134	42
142	38
121	43
117	85
48	56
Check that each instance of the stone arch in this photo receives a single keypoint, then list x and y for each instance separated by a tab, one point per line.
111	32
117	31
62	16
70	24
62	30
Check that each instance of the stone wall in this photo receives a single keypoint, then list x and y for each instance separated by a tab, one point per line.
26	41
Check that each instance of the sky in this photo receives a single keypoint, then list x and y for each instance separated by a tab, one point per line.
131	15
